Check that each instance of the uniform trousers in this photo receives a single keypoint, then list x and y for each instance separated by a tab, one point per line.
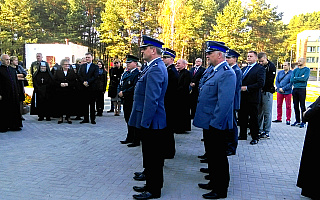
249	110
232	136
218	165
153	158
132	136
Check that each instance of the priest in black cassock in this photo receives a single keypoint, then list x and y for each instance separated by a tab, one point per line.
170	99
183	121
42	94
309	170
10	117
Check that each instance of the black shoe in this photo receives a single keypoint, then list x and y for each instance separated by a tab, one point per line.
93	122
142	177
253	142
276	121
204	170
84	121
146	195
125	142
110	111
22	118
202	156
204	160
205	186
69	122
133	145
207	177
139	189
138	173
214	195
40	119
60	121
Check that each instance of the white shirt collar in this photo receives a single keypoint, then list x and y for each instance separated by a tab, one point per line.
148	63
216	67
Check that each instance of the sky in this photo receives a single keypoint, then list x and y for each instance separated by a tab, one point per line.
291	8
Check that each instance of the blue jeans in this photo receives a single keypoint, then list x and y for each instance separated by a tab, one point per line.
265	112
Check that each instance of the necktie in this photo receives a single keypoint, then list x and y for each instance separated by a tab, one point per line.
246	71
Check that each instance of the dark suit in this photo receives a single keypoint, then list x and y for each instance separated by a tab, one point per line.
250	99
127	84
195	78
89	93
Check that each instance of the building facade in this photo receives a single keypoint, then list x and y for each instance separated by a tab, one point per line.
308	43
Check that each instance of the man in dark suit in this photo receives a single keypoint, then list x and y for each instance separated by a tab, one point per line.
232	139
125	91
88	75
170	98
196	74
253	78
149	116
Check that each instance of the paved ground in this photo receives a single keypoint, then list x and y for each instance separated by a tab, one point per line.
50	161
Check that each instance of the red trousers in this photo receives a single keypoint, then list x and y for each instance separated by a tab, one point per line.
280	98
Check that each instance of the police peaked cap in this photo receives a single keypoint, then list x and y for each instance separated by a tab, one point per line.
131	58
232	53
216	46
169	52
148	41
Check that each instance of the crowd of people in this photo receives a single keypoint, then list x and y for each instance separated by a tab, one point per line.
160	99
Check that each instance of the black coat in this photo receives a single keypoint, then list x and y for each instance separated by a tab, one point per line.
91	77
195	78
102	81
170	99
254	80
309	170
65	96
115	76
183	122
10	116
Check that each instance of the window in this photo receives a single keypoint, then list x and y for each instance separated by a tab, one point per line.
310	59
318	50
311	49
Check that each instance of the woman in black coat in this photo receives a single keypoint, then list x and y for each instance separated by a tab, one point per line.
102	86
309	173
115	76
65	81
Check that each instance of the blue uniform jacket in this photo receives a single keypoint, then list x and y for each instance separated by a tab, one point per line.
283	81
148	107
216	97
237	96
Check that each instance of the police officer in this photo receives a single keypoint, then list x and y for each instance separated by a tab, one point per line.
232	139
214	113
149	116
125	91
